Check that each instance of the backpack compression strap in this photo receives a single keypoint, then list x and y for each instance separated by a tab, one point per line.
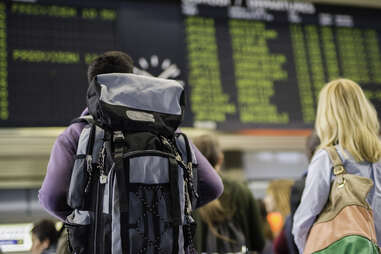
90	145
83	119
120	165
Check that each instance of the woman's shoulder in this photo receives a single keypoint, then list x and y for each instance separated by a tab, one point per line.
319	155
323	155
320	166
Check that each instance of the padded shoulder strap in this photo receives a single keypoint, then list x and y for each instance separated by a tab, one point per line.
191	163
189	154
338	167
84	119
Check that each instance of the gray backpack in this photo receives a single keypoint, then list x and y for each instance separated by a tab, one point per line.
134	181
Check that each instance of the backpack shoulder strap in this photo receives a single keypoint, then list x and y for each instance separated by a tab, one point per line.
122	174
188	147
83	119
93	146
191	164
338	167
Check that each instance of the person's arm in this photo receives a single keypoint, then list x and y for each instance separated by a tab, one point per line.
209	185
54	189
314	198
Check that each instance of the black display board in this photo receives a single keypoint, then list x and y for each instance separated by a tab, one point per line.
245	64
44	52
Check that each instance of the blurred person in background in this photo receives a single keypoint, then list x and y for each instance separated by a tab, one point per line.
232	222
347	121
63	243
268	233
277	203
44	237
284	243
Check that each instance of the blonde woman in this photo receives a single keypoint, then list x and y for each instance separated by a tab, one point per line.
347	120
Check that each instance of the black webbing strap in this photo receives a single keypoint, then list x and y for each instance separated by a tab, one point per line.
83	119
156	220
145	223
89	156
90	144
193	173
187	146
119	144
175	201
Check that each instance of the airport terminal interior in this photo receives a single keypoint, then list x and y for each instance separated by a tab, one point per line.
251	71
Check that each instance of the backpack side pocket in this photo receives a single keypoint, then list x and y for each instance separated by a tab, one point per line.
78	228
79	177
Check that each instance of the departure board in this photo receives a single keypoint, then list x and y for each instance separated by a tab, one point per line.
244	64
44	52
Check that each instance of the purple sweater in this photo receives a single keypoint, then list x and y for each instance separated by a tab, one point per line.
54	189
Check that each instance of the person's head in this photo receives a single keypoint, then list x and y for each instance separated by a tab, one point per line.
312	144
110	62
210	147
213	212
346	117
44	234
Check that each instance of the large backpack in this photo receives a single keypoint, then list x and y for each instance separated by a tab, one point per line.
134	181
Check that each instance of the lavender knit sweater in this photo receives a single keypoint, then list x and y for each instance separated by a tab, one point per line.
54	190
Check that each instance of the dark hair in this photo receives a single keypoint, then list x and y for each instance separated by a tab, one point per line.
46	230
110	62
209	147
213	212
312	142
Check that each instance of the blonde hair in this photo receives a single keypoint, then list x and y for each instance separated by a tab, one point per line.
346	117
280	191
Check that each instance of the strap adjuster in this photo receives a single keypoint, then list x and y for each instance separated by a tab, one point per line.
118	137
338	169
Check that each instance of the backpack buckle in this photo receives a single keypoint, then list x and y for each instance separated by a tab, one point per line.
338	169
190	168
178	158
118	137
89	161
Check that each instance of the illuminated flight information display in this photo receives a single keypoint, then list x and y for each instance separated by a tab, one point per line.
244	64
280	54
44	52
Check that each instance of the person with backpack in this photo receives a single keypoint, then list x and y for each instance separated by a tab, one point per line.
149	207
350	151
230	224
